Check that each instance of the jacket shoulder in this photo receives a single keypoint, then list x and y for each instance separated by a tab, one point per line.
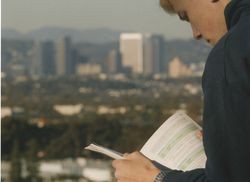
237	52
238	38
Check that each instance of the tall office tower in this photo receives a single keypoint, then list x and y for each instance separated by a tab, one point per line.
178	69
48	58
148	54
151	54
63	59
131	49
42	59
35	66
142	53
114	62
158	53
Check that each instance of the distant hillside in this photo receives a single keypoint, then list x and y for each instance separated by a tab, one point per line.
101	35
8	33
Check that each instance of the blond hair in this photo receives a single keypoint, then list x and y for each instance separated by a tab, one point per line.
167	6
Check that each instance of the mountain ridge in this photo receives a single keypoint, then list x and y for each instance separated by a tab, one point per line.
99	35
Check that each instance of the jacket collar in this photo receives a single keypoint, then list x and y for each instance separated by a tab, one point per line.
233	11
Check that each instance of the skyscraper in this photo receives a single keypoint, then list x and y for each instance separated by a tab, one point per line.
48	58
131	49
35	66
64	62
114	61
152	54
158	53
148	54
142	52
42	59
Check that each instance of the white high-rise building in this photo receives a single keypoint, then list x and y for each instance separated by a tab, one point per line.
131	49
141	52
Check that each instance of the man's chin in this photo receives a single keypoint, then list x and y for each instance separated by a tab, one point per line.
210	42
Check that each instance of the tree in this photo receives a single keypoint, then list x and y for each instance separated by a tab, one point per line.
67	145
32	161
15	171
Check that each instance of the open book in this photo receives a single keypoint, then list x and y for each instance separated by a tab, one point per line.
174	144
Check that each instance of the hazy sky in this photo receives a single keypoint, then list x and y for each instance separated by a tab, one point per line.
136	15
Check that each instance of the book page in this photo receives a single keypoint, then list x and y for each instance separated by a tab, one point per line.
100	149
176	145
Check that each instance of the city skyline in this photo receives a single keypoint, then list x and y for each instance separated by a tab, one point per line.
141	16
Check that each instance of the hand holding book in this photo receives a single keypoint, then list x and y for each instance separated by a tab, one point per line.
135	167
175	144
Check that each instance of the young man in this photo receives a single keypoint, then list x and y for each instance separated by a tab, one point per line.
226	86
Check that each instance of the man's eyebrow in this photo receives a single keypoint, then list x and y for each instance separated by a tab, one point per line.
167	6
172	7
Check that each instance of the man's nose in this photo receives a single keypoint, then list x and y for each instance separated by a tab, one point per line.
196	33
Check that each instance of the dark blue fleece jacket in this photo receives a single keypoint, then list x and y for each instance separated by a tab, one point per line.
226	118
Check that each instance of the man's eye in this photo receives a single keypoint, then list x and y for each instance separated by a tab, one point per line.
183	16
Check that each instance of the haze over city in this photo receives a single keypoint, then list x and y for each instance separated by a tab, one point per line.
136	15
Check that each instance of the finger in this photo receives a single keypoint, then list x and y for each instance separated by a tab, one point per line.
121	174
125	154
137	156
199	134
124	180
133	155
119	163
114	163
